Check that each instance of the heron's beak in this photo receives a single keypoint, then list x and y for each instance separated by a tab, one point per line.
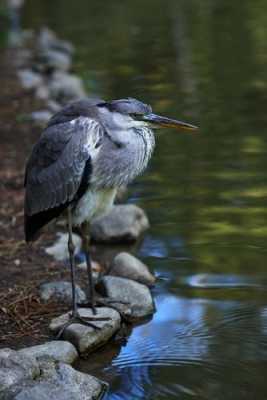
158	121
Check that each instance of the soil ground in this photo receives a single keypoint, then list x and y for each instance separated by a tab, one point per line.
23	318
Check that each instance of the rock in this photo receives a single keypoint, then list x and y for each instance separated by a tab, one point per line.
59	250
53	60
15	367
65	87
15	3
22	57
61	291
128	266
124	223
58	350
57	382
42	92
29	79
53	106
137	295
47	39
41	117
85	338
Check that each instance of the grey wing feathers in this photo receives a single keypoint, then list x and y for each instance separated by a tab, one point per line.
55	168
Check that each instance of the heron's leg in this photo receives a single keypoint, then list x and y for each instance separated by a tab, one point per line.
71	249
92	300
75	317
86	247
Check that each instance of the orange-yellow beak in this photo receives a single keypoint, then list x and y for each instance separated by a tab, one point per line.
158	121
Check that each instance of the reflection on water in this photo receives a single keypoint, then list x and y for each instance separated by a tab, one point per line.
182	352
205	194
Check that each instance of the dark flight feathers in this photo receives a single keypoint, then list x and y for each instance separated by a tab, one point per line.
58	171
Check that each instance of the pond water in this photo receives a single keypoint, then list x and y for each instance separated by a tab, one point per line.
205	194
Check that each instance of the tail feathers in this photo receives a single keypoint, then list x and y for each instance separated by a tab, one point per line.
34	223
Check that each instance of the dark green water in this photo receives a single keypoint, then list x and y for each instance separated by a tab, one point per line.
205	194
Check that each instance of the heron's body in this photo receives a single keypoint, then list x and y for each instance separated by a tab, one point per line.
88	150
81	161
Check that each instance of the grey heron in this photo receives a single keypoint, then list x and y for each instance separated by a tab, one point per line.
88	150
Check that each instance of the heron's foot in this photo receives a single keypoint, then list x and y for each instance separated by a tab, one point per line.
123	307
76	318
104	302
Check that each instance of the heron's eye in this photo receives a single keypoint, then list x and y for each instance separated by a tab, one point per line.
136	116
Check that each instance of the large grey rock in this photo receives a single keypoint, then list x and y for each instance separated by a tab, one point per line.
58	350
137	295
60	290
85	338
124	223
47	39
57	382
128	266
16	367
65	87
29	79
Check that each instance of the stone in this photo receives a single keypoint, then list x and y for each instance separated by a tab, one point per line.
29	79
65	87
85	338
15	367
135	294
57	381
57	350
55	60
41	117
47	39
125	223
60	290
127	266
59	249
42	93
53	106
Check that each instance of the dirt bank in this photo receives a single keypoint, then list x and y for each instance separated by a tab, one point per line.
23	320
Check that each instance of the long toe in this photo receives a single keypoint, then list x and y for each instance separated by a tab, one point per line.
104	302
77	319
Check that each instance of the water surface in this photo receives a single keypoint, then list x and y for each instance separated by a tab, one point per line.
205	194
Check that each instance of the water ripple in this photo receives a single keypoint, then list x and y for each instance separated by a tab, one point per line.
181	348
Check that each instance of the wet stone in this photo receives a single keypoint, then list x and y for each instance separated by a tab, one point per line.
85	338
61	291
125	223
58	350
136	295
127	266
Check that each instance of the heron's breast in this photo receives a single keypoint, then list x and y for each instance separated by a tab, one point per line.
117	165
94	203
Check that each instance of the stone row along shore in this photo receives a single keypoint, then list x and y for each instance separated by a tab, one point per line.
45	69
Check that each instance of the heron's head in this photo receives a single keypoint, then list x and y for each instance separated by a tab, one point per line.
131	113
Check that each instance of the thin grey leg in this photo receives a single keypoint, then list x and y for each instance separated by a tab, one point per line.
86	247
71	248
75	316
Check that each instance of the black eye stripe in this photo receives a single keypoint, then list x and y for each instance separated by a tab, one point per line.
136	115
